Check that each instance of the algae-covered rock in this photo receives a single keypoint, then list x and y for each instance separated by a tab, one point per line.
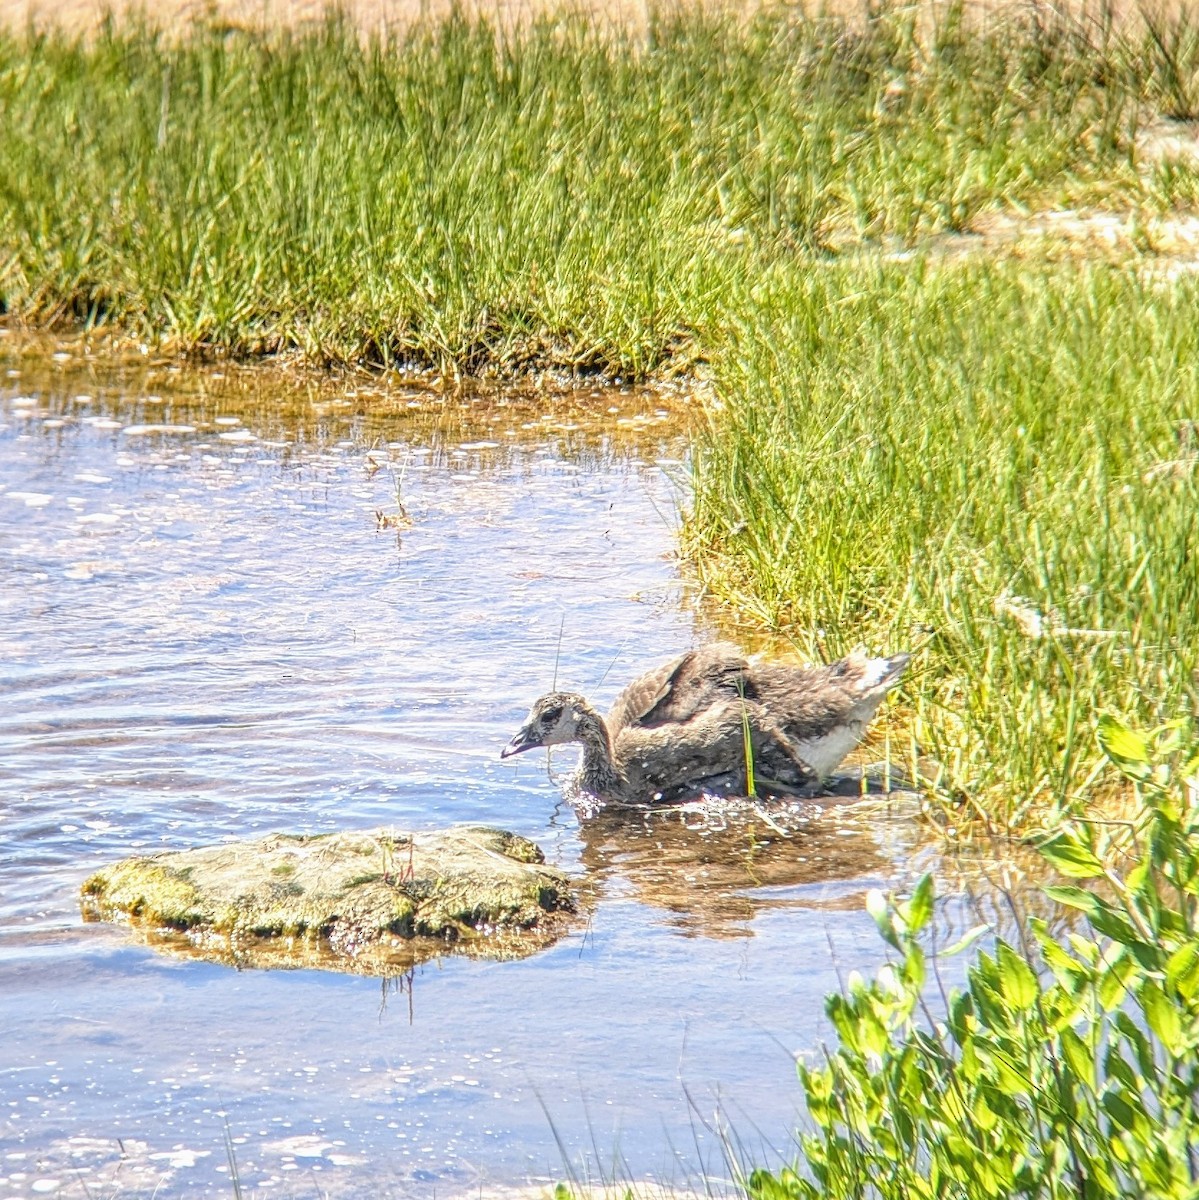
365	901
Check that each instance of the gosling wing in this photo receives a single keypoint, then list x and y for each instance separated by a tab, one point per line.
680	689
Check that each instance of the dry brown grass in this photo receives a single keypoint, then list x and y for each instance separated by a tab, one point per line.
372	15
369	15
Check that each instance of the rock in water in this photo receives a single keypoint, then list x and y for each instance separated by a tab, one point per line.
374	901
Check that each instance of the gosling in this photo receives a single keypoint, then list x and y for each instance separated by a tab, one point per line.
681	730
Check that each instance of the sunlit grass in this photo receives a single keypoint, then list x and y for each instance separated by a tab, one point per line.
559	196
946	456
982	463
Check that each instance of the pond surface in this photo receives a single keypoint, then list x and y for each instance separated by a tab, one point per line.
210	628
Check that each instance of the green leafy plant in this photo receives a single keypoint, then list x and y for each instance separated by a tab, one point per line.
1066	1066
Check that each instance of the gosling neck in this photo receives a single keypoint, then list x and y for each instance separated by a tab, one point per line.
599	775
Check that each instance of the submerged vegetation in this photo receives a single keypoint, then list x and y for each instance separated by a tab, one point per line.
911	444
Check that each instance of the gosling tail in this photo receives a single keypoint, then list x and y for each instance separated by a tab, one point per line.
876	676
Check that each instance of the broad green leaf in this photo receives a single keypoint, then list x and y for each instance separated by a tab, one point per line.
985	1176
961	1017
1018	981
963	1151
1069	856
1011	1077
1119	1070
1120	1110
968	1065
1103	917
913	970
1140	878
880	910
1109	922
1136	1038
874	1035
1113	983
1073	897
966	940
986	988
1128	750
1170	737
1078	1057
1085	949
1182	970
920	907
765	1186
1069	972
1062	1007
1163	1017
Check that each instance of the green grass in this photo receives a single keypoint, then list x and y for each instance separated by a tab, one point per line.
896	446
563	196
900	451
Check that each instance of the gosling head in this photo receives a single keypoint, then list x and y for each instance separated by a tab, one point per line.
552	720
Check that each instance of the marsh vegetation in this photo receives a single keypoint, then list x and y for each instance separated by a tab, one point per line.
914	433
1068	1064
989	462
980	452
560	195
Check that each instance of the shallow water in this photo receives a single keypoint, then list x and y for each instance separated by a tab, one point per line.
205	633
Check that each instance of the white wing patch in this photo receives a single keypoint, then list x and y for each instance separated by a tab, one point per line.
876	669
825	754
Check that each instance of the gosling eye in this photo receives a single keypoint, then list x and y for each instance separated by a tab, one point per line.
551	715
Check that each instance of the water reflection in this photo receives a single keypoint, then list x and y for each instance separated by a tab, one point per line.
393	961
714	866
205	635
